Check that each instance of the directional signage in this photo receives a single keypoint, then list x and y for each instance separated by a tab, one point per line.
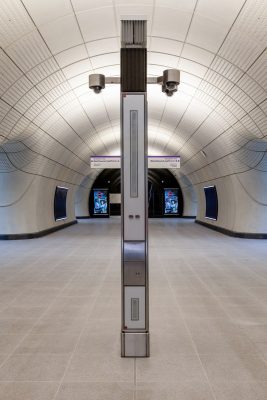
164	162
101	162
110	162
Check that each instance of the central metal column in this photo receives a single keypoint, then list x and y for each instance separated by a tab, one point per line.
135	321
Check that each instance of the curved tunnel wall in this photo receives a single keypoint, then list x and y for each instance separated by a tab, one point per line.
27	203
82	195
27	206
50	123
242	208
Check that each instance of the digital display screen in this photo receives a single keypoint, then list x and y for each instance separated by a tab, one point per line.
211	202
100	202
60	200
170	201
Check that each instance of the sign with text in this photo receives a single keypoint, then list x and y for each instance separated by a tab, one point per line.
170	162
109	162
101	162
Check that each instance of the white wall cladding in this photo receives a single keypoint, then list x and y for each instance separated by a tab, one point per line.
50	123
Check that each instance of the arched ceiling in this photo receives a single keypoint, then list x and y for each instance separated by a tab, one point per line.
50	123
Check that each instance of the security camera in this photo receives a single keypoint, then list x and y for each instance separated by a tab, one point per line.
170	81
97	82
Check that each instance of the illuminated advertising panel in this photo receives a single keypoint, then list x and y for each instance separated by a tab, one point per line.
170	201
101	205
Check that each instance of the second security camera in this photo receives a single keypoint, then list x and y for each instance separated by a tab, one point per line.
97	82
170	81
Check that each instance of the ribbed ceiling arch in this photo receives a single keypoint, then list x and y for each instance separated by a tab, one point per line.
50	123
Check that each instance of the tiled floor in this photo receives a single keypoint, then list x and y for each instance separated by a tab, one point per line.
60	316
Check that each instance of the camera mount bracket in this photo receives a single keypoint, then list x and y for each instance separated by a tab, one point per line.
97	82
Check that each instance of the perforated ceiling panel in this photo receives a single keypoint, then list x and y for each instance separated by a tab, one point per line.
50	123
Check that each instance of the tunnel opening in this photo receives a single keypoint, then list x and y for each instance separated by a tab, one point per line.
165	198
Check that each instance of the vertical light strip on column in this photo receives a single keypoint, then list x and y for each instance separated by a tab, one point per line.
134	152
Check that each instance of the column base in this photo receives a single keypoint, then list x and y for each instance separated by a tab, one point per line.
135	344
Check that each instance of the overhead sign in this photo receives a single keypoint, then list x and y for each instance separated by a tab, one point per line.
101	162
164	162
109	162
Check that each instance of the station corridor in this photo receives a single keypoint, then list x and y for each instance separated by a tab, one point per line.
60	301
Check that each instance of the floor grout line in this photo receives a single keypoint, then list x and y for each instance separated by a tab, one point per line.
190	335
37	321
81	333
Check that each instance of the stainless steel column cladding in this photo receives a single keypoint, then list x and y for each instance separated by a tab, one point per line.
135	321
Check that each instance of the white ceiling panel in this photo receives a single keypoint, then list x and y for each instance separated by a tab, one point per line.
190	80
60	96
165	60
258	70
242	98
190	124
81	90
111	98
16	91
156	98
176	26
197	54
241	49
97	23
182	5
61	34
208	33
233	106
29	99
219	81
14	22
226	69
258	115
71	56
226	114
187	90
154	70
109	70
37	108
248	124
29	51
43	70
175	109
166	46
9	72
212	91
247	39
192	67
104	46
45	11
51	82
83	5
46	113
77	68
206	99
225	11
79	80
4	108
105	59
96	113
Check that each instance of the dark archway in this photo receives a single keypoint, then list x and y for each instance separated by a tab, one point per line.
158	180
